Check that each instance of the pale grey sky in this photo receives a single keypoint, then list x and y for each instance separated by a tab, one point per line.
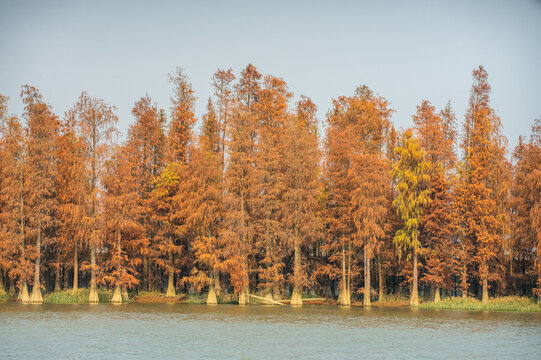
406	51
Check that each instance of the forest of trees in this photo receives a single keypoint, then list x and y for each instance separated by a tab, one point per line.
254	199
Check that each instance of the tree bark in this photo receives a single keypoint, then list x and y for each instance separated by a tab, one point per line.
93	297
65	277
437	295
344	297
243	297
381	281
75	270
464	284
414	297
217	283
484	299
296	298
366	297
211	297
117	296
23	293
171	278
57	275
36	297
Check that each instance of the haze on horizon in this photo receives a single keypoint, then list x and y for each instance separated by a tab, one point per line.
404	51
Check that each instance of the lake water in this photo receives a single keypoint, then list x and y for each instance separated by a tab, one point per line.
160	331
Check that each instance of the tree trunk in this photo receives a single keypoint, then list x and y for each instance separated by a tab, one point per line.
57	275
243	297
437	295
23	293
171	278
414	297
381	281
12	286
217	283
146	286
75	269
366	297
36	297
484	299
344	297
211	297
117	296
2	287
65	277
464	284
150	280
125	295
296	298
511	271
93	297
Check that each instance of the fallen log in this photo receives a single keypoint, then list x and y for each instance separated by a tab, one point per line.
265	299
306	300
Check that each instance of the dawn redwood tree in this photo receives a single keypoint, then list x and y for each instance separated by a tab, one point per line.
96	124
43	130
412	175
369	174
206	204
172	189
437	235
72	185
302	191
222	82
272	113
436	135
165	239
357	174
13	196
123	210
146	148
240	182
337	210
482	187
526	205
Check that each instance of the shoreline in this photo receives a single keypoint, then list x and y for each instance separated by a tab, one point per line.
501	304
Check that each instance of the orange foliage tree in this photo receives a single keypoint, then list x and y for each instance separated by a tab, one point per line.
525	244
72	185
482	189
96	124
301	205
271	113
357	173
124	210
240	181
43	128
146	148
15	261
206	206
436	135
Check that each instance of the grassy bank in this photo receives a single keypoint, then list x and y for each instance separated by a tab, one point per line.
4	296
76	297
508	303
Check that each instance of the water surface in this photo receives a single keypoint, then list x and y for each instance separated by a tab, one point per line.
159	331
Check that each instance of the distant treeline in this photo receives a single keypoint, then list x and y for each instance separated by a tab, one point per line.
260	202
